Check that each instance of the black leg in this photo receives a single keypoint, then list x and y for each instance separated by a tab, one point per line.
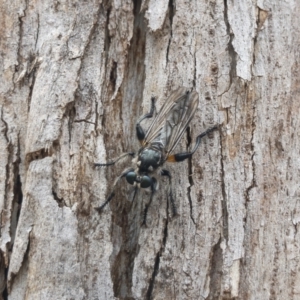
111	163
112	194
99	208
139	130
153	189
184	155
165	172
134	193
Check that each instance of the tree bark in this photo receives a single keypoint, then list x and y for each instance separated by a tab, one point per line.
76	76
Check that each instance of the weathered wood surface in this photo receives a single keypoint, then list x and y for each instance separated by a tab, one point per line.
75	76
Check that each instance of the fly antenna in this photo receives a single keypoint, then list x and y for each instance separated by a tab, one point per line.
111	163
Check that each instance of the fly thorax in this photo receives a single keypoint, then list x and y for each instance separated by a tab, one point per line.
149	160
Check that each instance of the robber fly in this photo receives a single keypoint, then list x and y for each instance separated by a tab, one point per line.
158	145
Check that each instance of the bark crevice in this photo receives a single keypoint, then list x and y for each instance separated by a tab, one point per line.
18	195
190	175
171	16
195	70
32	73
60	201
5	126
261	17
107	39
38	155
37	30
126	220
215	274
224	194
157	261
4	290
232	53
21	33
253	182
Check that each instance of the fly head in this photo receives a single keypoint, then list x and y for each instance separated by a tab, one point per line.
144	181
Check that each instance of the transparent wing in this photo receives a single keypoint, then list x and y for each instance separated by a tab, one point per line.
172	120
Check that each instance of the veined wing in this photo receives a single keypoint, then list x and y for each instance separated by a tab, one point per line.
172	120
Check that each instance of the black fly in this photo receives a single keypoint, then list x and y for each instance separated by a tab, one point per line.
158	144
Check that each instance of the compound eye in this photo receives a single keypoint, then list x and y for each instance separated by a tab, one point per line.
131	177
146	181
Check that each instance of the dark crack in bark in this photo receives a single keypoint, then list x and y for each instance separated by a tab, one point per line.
190	175
21	34
126	216
252	184
195	71
11	211
70	113
215	274
5	213
113	74
5	126
253	125
37	155
13	184
224	201
262	15
34	65
37	30
3	285
157	260
230	47
18	196
106	10
60	201
171	16
83	121
96	117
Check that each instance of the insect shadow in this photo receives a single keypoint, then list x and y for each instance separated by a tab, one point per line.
158	144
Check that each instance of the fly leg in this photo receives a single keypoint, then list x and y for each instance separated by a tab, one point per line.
165	172
153	189
184	155
112	193
111	163
139	130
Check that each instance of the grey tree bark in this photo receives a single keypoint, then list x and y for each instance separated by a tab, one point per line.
75	76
